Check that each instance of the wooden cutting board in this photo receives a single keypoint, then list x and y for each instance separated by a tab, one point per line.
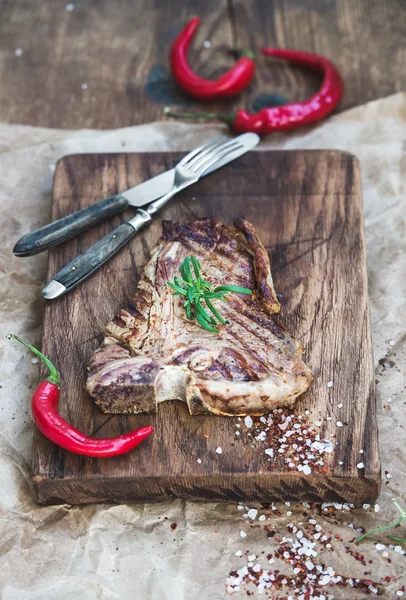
307	208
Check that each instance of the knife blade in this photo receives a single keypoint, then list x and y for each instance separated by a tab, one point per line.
64	229
83	266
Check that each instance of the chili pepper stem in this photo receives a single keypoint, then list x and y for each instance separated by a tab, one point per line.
245	52
227	118
53	373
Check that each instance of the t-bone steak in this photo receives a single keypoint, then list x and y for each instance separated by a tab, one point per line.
152	353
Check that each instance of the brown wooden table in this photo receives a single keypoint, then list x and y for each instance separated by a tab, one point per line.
104	63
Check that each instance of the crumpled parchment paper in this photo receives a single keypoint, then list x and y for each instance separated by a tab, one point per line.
181	550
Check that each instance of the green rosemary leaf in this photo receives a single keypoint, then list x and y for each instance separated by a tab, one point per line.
195	290
177	289
205	324
196	266
232	288
215	311
188	310
203	313
185	270
387	527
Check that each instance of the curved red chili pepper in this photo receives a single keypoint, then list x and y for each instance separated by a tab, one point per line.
232	82
45	413
288	116
298	114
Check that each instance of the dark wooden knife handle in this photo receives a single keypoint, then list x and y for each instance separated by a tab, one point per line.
87	263
59	231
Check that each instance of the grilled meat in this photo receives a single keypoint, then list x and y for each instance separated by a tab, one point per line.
152	353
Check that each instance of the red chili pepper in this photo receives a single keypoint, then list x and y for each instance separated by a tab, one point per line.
45	412
288	116
232	82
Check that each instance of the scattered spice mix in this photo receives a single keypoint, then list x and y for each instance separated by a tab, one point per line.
304	549
288	437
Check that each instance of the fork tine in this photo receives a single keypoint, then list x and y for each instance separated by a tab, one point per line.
202	148
215	159
217	143
201	160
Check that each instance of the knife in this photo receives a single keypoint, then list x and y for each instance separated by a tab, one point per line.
64	229
92	259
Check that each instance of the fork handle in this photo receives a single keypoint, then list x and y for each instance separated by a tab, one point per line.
59	231
90	261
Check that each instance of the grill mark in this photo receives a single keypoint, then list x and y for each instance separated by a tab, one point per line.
249	350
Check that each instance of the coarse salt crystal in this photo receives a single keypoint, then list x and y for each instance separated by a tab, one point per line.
339	424
261	518
243	534
399	549
287	503
389	400
69	7
318	423
309	565
252	513
206	43
312	521
18	51
376	508
325	580
199	460
286	555
366	506
360	465
289	513
252	557
256	568
361	451
307	470
296	570
34	361
240	507
339	405
399	593
388	476
248	421
219	450
380	546
385	554
299	534
238	553
84	86
262	419
340	462
269	451
330	384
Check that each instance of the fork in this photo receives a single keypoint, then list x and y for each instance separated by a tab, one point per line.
187	171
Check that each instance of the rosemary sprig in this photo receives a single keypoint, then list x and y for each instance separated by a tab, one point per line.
196	290
377	529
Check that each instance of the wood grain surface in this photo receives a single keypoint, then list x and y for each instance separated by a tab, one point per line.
307	209
118	50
